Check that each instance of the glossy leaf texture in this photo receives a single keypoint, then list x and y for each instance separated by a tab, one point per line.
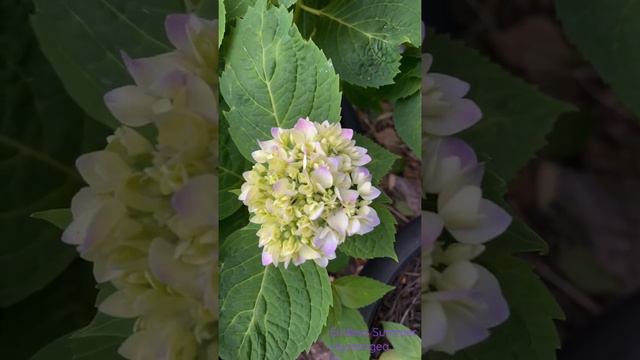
363	37
273	77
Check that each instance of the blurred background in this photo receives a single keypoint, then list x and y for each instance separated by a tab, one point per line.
581	193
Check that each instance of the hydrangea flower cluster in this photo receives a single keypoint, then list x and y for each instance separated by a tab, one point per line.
309	190
461	299
148	217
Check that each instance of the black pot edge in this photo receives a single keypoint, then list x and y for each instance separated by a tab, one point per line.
408	245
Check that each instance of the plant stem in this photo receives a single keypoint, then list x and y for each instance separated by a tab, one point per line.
308	9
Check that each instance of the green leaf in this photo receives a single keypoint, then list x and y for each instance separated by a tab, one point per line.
273	77
64	305
59	349
237	8
339	263
230	170
222	22
286	3
101	339
42	133
408	121
606	32
284	308
381	159
363	37
359	291
516	117
404	340
83	40
346	334
377	243
61	218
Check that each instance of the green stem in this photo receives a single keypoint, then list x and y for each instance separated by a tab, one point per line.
309	10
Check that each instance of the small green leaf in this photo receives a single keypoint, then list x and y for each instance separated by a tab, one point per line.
379	242
284	308
606	32
404	340
61	218
363	37
408	121
381	159
237	8
346	334
359	291
273	77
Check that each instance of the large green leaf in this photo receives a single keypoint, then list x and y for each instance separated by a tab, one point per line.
363	37
268	312
83	40
607	32
377	243
346	335
408	121
237	8
59	349
42	131
273	77
516	117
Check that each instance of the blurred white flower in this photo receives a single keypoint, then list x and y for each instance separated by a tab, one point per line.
148	217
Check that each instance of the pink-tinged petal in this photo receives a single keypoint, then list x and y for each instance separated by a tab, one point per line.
201	99
176	28
86	200
104	171
106	219
130	105
306	127
347	134
462	114
487	291
266	258
169	85
494	221
121	303
434	324
348	196
322	176
460	275
461	211
470	176
334	163
427	61
322	261
146	71
432	226
171	271
444	159
196	202
354	227
463	329
275	132
360	175
339	221
451	88
329	247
